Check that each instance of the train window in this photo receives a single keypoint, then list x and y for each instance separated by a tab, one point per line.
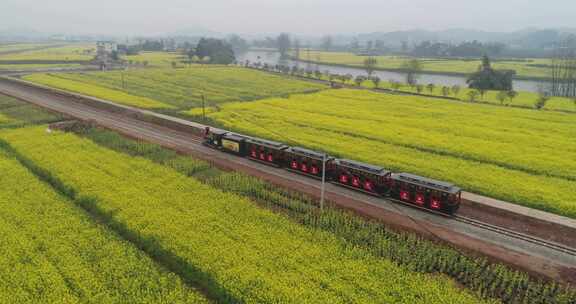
404	195
435	203
343	178
294	165
419	198
270	158
355	181
304	167
253	153
368	185
314	170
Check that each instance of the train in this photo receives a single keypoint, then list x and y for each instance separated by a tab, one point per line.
418	191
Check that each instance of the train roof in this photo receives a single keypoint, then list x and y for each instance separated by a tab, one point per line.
308	153
219	131
267	143
363	166
234	136
427	182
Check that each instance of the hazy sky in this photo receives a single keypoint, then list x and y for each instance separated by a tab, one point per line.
297	16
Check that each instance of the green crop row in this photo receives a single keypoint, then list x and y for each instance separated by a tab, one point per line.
236	251
513	154
181	88
52	252
488	280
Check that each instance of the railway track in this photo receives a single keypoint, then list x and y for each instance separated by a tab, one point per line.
517	235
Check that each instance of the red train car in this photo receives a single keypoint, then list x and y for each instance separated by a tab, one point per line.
426	193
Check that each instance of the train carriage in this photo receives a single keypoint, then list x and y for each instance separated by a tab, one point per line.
265	151
426	193
360	176
304	161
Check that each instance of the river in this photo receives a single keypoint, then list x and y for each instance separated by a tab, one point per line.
273	58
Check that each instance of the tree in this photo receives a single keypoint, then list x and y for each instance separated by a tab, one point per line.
445	91
283	44
456	90
412	67
327	43
218	51
502	96
348	77
359	80
489	79
238	44
419	88
355	44
482	92
370	64
395	85
431	87
472	95
543	97
375	81
190	53
541	101
512	94
318	74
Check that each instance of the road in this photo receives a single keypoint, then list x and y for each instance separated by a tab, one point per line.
527	256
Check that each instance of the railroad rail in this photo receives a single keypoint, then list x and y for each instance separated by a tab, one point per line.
516	235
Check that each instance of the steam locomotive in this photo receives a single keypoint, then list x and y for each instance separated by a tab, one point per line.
408	188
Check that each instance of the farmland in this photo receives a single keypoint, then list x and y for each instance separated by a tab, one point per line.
518	155
179	211
156	59
434	65
62	53
53	252
179	88
195	220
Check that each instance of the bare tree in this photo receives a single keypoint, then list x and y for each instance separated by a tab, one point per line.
563	68
370	64
431	87
445	91
473	95
419	88
412	67
456	89
327	42
375	81
502	96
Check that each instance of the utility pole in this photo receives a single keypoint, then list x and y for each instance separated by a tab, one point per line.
323	182
203	107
